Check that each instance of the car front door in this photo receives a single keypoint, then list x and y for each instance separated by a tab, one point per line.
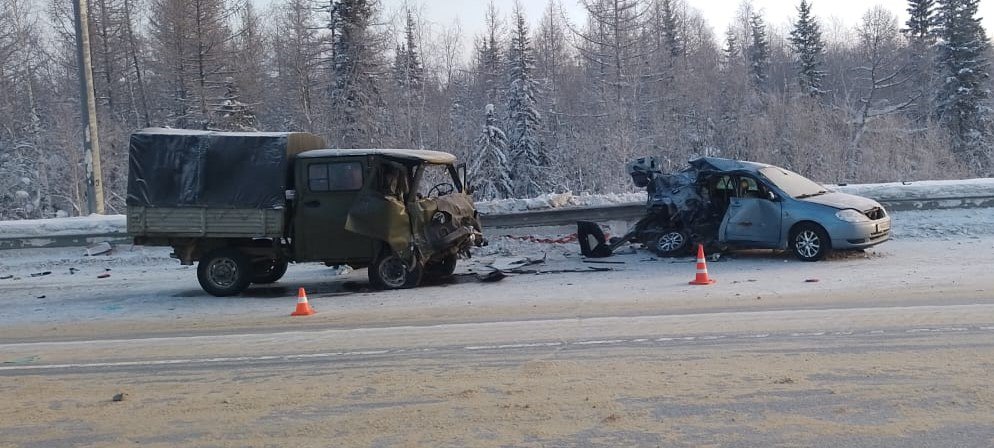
326	191
754	216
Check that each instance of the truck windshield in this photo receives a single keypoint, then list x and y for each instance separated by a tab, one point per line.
435	175
795	185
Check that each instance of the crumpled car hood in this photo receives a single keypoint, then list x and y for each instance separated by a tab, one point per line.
844	201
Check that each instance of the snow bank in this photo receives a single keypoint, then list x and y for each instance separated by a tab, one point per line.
87	225
932	189
558	200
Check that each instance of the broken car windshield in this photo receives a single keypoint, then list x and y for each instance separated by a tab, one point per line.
795	185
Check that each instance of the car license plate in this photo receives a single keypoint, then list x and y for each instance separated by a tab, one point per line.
883	227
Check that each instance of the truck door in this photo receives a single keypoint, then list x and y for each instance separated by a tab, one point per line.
753	216
326	191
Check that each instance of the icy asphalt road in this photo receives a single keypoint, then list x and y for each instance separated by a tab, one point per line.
888	348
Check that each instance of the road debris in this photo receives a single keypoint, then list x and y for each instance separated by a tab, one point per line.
812	280
98	249
6	277
120	396
493	276
104	275
41	274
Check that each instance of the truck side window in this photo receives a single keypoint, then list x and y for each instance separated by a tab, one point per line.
327	177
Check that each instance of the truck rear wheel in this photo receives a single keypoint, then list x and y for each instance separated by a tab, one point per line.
390	271
268	271
224	272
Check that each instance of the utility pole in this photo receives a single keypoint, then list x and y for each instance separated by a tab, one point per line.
88	111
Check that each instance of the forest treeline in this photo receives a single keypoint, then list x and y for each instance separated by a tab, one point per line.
540	104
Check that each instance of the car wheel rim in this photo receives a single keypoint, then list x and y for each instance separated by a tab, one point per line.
223	272
393	271
808	244
670	242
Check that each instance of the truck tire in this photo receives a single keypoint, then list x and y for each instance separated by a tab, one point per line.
269	271
441	269
224	272
390	271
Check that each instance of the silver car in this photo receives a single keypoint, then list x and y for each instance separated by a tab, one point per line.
777	208
726	203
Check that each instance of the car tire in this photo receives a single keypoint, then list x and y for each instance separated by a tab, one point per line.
224	272
810	242
441	269
390	271
671	243
268	271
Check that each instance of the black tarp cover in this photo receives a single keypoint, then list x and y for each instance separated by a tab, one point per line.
185	168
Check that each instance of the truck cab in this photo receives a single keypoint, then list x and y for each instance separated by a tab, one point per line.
403	214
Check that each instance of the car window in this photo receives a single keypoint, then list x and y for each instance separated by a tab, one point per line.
340	176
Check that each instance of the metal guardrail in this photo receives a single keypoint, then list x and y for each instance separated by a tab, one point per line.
625	212
537	218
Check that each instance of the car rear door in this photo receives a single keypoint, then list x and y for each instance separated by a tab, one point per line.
326	191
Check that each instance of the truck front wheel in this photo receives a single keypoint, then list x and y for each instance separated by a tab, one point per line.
224	272
390	271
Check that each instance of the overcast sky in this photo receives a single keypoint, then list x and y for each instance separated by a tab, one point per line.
719	13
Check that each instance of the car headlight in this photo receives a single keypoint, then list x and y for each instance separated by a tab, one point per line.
440	217
851	215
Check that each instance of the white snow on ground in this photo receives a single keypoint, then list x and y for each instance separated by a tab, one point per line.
96	224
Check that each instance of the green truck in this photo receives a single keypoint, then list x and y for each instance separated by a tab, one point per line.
246	205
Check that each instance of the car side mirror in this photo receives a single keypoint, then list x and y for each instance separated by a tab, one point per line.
771	195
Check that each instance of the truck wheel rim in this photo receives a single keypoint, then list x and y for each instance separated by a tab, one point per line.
223	272
670	242
808	243
393	271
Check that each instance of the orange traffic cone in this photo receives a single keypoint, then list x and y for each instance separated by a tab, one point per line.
702	269
303	308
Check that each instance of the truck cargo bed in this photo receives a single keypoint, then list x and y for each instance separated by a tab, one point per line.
194	222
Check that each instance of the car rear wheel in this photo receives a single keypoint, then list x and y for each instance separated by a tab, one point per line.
671	243
810	242
224	272
390	271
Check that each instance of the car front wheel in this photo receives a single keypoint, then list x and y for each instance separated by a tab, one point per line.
810	242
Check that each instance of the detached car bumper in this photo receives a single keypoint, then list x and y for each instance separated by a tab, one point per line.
860	235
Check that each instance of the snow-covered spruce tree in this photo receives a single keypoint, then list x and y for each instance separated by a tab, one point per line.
489	171
408	74
921	33
805	40
963	100
759	53
233	114
670	26
529	162
354	95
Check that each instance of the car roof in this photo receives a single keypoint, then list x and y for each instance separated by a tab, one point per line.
719	164
413	155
